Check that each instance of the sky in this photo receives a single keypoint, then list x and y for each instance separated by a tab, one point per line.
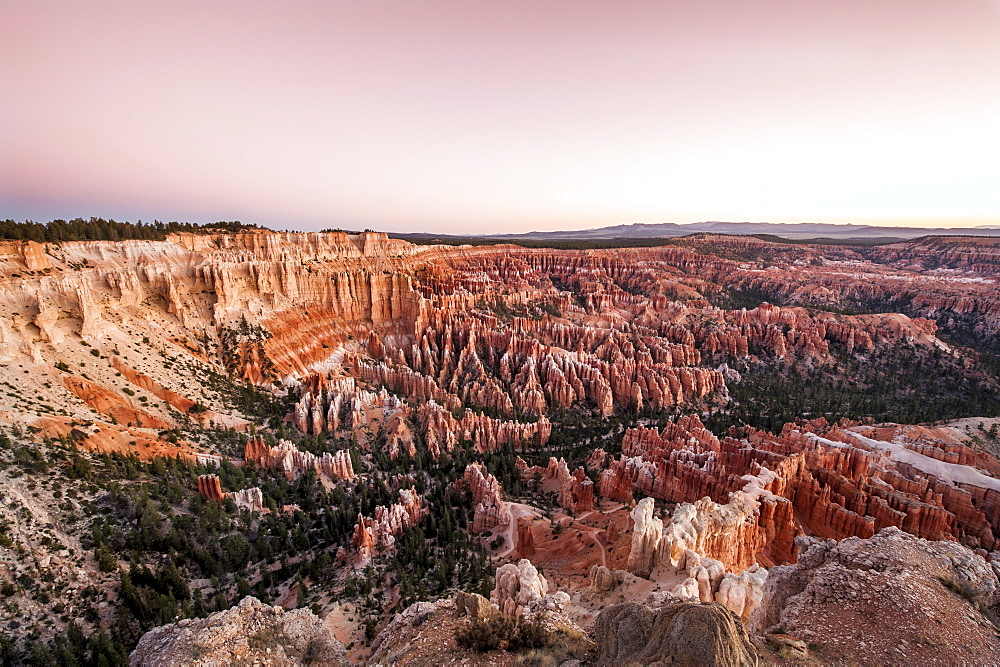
475	116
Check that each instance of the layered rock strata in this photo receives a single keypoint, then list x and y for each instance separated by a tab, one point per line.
811	478
682	633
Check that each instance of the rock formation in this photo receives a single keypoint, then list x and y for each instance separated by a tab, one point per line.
728	533
517	586
692	541
443	431
908	584
603	580
106	402
487	497
524	539
681	633
292	462
251	499
380	341
365	325
474	605
328	405
576	491
211	488
647	534
813	478
380	531
742	593
249	633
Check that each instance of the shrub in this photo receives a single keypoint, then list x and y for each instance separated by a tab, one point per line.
483	635
966	591
489	634
961	589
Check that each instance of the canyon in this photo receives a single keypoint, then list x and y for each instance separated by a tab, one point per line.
569	418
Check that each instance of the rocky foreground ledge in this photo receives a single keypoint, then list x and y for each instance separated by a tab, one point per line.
249	633
891	599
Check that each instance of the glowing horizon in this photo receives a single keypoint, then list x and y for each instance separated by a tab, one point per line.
489	117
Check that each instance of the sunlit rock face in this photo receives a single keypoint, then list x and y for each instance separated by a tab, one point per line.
442	344
517	586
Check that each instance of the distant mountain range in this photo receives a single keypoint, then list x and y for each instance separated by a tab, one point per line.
796	231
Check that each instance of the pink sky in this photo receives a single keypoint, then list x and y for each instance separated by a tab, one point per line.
466	116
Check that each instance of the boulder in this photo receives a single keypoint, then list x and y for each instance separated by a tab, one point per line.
682	633
475	605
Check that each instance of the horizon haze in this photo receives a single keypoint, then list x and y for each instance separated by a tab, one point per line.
502	118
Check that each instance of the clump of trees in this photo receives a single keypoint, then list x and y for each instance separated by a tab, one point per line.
893	383
99	229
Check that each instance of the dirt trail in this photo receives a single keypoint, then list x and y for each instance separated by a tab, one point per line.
515	512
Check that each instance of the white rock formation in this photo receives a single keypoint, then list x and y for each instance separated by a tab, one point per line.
251	499
708	572
742	593
646	536
517	586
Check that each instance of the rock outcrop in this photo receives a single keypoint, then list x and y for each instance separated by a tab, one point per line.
517	587
688	541
728	533
292	462
647	535
249	633
106	402
251	499
490	509
474	605
680	634
380	531
602	579
576	491
210	487
742	593
925	595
